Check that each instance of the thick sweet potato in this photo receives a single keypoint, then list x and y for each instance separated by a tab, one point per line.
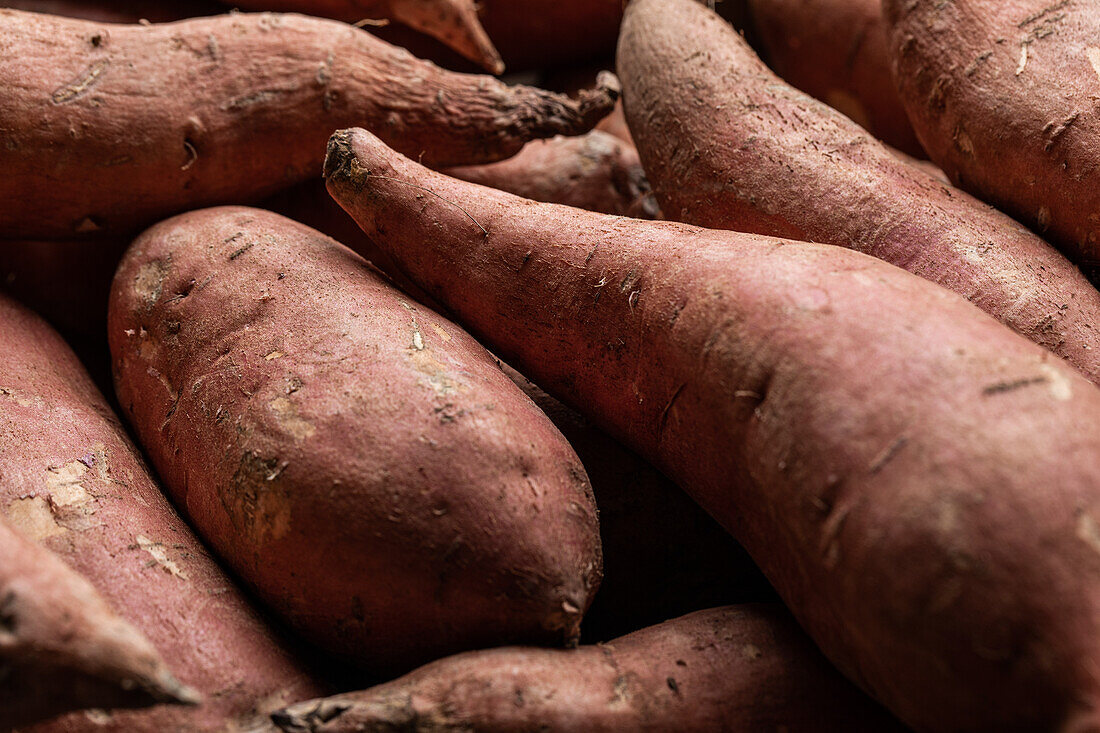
743	150
71	480
739	668
62	647
1002	94
920	485
453	22
106	128
835	50
120	11
358	459
597	171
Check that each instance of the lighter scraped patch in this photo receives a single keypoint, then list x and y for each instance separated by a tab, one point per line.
1088	531
33	518
287	414
1093	54
160	554
1059	385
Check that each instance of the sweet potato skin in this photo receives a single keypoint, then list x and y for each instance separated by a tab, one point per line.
596	171
359	460
753	163
63	648
842	418
835	50
120	11
78	486
1001	93
744	668
114	127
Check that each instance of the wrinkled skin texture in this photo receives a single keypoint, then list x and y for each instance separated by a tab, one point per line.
358	459
597	172
920	485
112	127
63	648
728	145
71	480
738	668
453	22
1002	94
835	50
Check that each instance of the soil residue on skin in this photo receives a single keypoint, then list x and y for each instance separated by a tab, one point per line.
256	501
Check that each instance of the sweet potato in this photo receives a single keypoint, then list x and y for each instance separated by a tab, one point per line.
120	11
1002	95
62	647
106	128
835	50
358	459
920	485
597	171
739	668
453	22
73	482
743	150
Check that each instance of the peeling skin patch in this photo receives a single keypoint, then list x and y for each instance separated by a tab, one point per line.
441	333
149	282
751	651
81	84
287	414
256	502
1093	54
1060	387
33	518
160	555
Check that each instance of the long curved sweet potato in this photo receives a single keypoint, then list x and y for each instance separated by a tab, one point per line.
62	647
1002	95
358	459
106	128
763	157
72	481
121	11
597	171
739	668
835	50
453	22
920	485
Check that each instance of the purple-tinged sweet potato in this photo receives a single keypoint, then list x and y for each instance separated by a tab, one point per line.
359	460
452	22
920	484
63	648
738	668
105	128
1002	94
597	171
835	50
71	480
743	150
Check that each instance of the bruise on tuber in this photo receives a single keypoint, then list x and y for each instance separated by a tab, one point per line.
359	460
743	150
920	484
738	668
63	648
106	128
1002	94
71	481
453	22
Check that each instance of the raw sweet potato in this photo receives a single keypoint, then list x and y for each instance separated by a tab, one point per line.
358	459
920	485
743	150
105	128
62	647
739	668
120	11
597	171
454	22
663	556
835	50
71	480
1002	94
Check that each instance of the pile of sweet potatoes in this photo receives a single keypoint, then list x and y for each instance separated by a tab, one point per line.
345	386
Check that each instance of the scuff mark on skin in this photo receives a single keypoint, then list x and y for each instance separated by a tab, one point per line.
441	333
286	412
1093	54
81	84
751	652
159	554
32	517
257	503
1088	531
1059	385
149	282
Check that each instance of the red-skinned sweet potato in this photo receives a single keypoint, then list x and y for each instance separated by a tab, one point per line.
121	11
114	126
358	459
920	485
1002	94
452	22
739	668
835	50
72	481
597	171
63	648
742	150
